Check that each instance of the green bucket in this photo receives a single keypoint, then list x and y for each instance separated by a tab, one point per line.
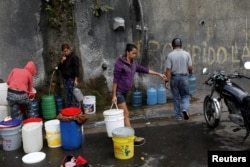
48	105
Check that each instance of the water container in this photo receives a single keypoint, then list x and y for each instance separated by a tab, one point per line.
10	134
123	142
35	108
71	131
151	95
89	104
161	95
3	93
59	104
3	112
48	107
114	118
32	135
53	133
78	94
192	84
136	98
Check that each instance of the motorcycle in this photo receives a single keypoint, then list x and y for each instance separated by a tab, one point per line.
235	98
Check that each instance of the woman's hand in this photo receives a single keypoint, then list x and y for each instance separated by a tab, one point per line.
114	100
163	76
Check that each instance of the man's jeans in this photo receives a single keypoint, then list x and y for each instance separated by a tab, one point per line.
180	91
17	99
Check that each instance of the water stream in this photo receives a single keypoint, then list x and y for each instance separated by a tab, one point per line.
50	83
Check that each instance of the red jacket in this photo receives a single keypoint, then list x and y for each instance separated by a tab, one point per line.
22	79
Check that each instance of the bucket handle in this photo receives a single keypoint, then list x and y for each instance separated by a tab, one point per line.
115	105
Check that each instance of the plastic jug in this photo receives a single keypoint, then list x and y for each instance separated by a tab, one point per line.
151	95
78	94
192	83
161	95
59	104
136	98
35	108
32	135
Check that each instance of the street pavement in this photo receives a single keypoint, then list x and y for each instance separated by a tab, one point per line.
169	143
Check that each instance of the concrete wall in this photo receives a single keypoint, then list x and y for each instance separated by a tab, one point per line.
215	32
20	37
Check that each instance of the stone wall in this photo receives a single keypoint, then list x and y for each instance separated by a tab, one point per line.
215	32
20	37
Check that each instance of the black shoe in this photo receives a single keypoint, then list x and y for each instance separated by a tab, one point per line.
185	114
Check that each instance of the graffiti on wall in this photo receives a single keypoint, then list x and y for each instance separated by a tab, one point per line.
200	53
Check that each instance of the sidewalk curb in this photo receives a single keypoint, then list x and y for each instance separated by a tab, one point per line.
148	112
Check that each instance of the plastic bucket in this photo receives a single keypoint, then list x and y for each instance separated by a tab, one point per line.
89	104
48	107
32	137
3	93
113	118
123	142
71	135
3	112
53	134
11	138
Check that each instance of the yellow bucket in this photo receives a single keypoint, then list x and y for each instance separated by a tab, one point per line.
53	139
53	134
123	141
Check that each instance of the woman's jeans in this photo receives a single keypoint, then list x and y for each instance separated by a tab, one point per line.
70	98
180	91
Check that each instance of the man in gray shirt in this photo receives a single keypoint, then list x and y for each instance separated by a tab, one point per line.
178	66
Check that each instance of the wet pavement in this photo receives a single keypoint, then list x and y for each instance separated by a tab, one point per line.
168	142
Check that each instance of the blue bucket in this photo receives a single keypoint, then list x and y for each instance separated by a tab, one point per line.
71	131
71	135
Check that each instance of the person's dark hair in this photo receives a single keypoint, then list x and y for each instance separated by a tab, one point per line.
130	47
65	46
176	42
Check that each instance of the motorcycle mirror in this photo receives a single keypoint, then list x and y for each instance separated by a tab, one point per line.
205	71
247	65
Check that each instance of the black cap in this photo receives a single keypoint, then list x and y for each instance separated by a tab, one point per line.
176	42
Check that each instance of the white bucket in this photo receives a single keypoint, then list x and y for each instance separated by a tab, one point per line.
53	133
89	103
11	138
3	112
32	137
3	93
113	118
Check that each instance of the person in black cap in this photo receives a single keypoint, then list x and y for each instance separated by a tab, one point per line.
178	66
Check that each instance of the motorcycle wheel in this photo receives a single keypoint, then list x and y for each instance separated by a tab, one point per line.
209	112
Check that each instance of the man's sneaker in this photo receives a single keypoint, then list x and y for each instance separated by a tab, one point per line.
138	141
178	118
185	115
